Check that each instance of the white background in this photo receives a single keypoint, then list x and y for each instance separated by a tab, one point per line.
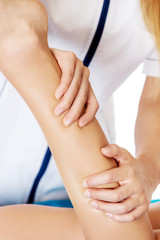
126	100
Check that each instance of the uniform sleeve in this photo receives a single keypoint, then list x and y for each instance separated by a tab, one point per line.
152	64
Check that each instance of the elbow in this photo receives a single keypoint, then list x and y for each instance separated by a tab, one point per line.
23	31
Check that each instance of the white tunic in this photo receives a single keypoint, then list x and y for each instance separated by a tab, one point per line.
125	43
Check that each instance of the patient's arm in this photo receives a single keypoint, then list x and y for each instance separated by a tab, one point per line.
77	151
35	75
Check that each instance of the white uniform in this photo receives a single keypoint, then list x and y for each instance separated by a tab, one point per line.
73	25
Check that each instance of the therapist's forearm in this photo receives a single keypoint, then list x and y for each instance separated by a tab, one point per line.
147	130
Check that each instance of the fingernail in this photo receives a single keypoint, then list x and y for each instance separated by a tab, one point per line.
106	150
67	122
58	95
87	194
82	124
84	184
94	204
58	111
108	215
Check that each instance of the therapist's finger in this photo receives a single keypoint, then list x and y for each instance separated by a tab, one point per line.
106	177
68	98
91	109
128	217
79	102
109	195
67	62
115	208
121	155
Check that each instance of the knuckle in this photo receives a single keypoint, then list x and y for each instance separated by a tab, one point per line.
125	150
123	209
125	154
66	83
97	105
84	96
104	208
131	172
87	71
114	147
65	104
131	217
80	62
93	194
77	86
73	115
117	218
100	206
40	9
115	197
71	55
145	201
110	177
88	117
69	75
146	207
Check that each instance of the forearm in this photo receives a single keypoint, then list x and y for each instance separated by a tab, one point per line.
76	151
147	129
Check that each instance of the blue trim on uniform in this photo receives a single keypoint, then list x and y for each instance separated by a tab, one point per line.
88	58
155	200
98	34
56	203
40	174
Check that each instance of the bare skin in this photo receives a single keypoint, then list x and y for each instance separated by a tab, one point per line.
76	151
138	176
154	217
26	222
134	195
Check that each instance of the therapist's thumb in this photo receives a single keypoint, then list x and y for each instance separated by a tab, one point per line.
116	152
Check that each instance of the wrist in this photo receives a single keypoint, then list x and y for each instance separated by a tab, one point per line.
150	164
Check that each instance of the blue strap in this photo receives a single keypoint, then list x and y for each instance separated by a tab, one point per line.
88	58
98	34
40	174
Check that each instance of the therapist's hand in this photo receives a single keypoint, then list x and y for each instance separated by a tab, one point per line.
74	91
131	199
